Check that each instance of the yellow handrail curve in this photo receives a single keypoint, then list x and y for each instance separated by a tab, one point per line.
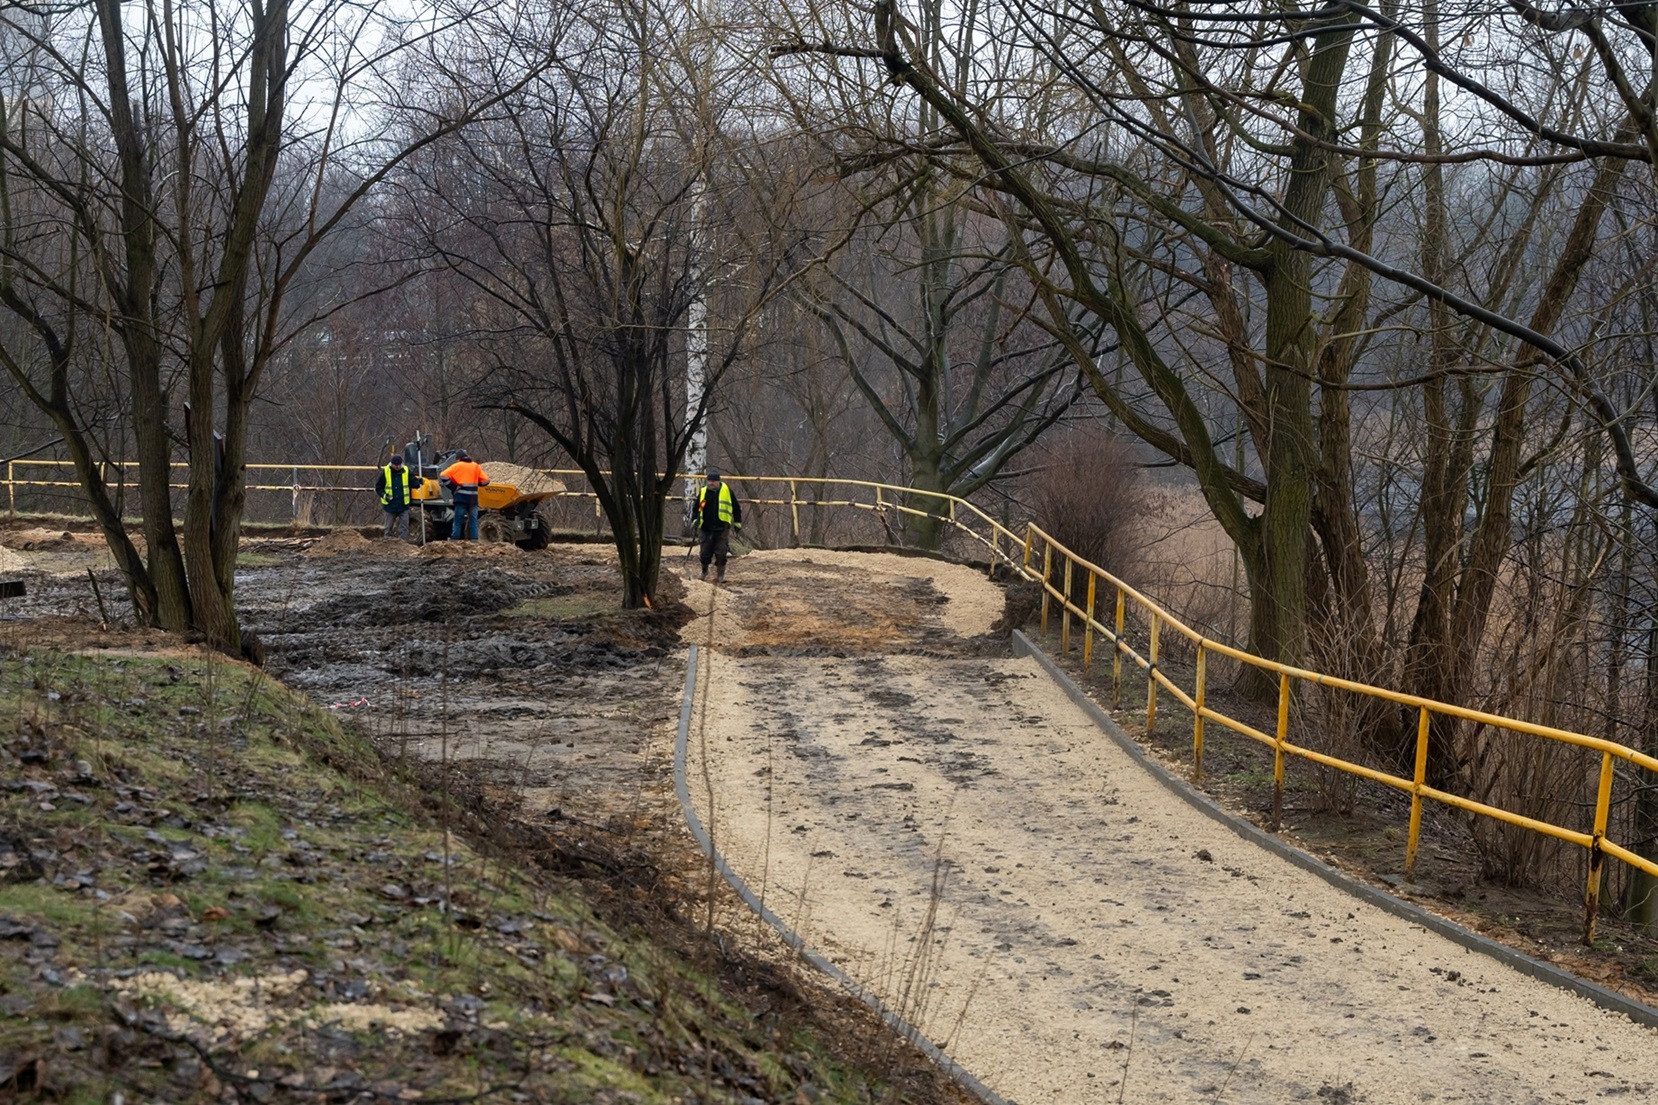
1594	839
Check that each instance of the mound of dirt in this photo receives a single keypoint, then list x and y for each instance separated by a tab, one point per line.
10	561
469	548
527	480
342	542
42	539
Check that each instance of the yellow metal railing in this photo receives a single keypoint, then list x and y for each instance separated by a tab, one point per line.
1591	837
867	495
60	474
1037	556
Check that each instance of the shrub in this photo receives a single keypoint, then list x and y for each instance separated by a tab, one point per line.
1091	496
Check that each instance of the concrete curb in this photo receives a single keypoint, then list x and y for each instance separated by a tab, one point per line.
904	1029
1525	964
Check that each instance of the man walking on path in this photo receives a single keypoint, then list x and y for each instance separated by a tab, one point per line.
718	513
395	496
465	476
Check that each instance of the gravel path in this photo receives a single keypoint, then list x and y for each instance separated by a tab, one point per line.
956	834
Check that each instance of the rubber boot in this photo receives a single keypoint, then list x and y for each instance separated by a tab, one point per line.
704	574
719	576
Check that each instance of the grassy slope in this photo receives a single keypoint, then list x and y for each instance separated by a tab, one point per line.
209	890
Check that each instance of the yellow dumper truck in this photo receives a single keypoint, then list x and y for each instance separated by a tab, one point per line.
507	506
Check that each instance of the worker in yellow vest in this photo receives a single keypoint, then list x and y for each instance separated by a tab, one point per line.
718	513
395	496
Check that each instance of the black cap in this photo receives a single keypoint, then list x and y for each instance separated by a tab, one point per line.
396	458
713	474
462	454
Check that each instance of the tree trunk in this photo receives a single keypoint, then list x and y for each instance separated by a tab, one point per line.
925	531
1643	888
1279	625
140	331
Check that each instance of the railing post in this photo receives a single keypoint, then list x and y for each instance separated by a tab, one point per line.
1047	575
794	510
11	487
1597	858
1414	836
1088	624
1197	713
296	496
1151	680
1030	535
1117	655
1065	612
1278	750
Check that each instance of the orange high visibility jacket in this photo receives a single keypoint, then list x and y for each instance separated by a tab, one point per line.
467	476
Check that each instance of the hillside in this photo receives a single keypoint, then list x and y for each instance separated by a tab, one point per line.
214	891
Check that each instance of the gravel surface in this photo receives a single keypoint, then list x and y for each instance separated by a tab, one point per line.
956	834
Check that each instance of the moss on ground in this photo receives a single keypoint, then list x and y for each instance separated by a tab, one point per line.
210	890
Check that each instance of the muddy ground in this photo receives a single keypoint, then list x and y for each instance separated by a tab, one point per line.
518	665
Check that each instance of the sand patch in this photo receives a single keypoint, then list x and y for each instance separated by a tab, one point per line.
234	1009
971	603
825	600
350	542
455	549
10	561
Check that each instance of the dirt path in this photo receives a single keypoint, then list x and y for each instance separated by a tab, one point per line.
953	832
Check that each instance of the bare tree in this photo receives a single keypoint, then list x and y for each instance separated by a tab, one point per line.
170	175
1247	159
930	314
611	193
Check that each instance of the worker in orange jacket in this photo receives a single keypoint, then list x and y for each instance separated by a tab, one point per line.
464	477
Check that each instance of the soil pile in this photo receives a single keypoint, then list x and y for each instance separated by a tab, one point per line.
527	480
468	548
33	539
345	542
10	561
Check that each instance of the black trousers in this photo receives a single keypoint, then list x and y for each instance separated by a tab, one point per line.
716	546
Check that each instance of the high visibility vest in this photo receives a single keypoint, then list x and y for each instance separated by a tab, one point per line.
467	476
725	504
391	494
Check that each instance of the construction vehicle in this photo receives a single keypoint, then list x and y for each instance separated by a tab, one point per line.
506	511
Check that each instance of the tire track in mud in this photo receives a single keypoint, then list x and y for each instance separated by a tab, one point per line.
514	666
959	837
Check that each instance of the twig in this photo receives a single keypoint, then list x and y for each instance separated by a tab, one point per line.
1236	1063
97	593
1133	1023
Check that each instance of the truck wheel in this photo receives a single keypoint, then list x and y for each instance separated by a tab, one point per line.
493	528
538	537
